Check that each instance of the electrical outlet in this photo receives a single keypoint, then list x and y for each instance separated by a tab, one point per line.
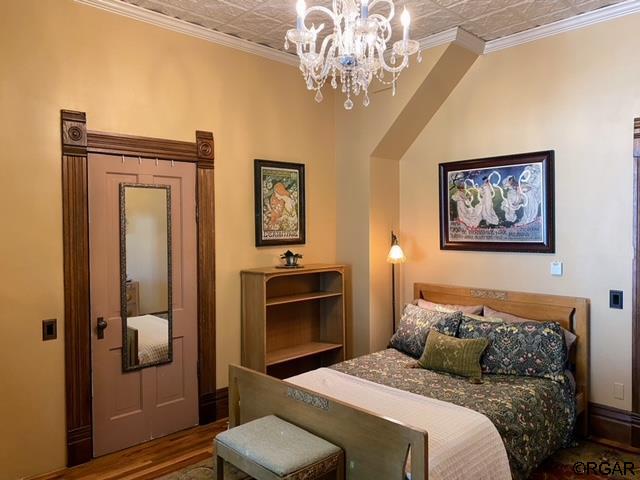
618	391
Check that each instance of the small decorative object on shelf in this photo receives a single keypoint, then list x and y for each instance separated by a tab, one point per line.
291	259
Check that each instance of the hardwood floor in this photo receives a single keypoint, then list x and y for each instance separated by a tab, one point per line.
149	460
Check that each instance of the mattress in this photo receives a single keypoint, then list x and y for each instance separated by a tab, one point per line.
463	444
534	416
153	338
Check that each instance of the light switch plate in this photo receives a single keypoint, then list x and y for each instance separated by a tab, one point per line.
618	391
616	299
556	269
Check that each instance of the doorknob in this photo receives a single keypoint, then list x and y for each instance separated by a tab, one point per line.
102	324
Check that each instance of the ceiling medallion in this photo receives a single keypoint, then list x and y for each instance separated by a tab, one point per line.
354	53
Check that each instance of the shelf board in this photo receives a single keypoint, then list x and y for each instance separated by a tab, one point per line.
301	297
299	351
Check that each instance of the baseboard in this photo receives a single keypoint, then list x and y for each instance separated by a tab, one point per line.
614	424
222	403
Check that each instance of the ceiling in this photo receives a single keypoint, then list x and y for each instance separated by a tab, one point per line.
266	21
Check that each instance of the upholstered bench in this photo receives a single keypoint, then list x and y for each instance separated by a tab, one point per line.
270	448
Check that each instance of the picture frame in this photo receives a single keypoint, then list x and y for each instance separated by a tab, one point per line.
499	204
280	208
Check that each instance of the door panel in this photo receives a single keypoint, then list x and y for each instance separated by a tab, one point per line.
139	405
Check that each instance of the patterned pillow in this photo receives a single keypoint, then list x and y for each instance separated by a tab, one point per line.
460	356
442	307
415	323
569	337
535	349
481	318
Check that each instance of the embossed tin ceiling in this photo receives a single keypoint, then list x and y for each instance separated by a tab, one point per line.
266	21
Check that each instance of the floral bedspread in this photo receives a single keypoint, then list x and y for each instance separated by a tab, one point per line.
534	416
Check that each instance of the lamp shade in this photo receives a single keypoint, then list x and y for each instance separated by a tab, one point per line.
396	255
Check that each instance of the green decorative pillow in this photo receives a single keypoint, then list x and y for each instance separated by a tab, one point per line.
443	353
415	325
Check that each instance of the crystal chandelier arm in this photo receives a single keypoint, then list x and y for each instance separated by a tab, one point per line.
387	67
383	25
319	71
317	8
391	9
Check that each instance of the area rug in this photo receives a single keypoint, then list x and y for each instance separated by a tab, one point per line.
587	461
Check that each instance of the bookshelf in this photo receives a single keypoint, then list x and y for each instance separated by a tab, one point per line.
293	320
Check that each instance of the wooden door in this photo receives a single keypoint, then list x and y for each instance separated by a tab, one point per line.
135	406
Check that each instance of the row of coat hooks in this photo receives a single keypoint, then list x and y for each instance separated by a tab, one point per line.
140	161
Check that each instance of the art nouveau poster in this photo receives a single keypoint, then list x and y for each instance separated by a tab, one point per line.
279	203
500	203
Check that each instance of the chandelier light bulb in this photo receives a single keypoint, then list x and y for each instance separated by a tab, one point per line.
405	18
300	7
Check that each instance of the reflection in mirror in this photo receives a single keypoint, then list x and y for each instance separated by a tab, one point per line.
145	275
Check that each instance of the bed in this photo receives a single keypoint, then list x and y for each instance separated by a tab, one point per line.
148	338
367	405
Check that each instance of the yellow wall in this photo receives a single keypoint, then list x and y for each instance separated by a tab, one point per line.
363	187
576	93
133	78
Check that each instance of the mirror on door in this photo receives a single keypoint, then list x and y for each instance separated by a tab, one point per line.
145	275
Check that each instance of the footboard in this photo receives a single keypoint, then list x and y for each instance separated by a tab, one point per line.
375	447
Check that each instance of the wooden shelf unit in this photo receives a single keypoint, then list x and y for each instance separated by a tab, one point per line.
293	320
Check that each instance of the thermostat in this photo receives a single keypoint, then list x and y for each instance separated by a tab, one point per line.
556	269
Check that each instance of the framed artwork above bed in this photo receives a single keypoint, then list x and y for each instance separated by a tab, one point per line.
500	204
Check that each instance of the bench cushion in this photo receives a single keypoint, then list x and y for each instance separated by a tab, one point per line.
277	445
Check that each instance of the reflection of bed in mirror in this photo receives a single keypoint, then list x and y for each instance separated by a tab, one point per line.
145	274
148	339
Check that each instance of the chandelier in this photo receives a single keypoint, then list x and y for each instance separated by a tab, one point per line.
356	51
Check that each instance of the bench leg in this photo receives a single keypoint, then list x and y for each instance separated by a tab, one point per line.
219	467
340	473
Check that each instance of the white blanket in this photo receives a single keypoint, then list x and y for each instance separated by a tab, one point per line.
153	338
463	444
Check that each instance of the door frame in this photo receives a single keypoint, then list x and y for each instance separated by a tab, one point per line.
635	319
77	144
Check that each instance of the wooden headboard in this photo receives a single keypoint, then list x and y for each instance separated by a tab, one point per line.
571	312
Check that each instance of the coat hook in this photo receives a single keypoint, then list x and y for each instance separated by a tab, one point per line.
156	161
139	160
122	158
173	163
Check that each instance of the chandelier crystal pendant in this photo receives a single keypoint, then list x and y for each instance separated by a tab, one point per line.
354	53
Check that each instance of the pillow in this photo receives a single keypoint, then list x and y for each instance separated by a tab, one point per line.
534	349
414	327
440	307
480	318
569	337
453	355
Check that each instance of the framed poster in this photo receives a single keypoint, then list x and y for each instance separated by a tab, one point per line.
501	204
279	203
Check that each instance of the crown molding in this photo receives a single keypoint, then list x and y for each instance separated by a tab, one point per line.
455	35
180	26
573	23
